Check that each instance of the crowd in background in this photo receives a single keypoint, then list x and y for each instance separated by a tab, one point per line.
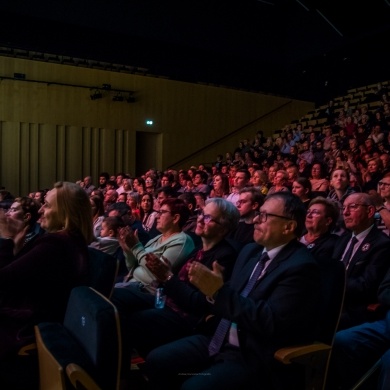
164	226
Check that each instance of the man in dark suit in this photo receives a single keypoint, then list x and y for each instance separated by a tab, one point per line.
368	262
281	309
357	349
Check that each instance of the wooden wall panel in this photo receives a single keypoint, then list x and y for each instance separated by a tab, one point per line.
74	156
10	155
31	182
108	150
47	156
86	153
55	132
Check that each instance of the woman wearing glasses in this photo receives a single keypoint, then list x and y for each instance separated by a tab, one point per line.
172	243
321	218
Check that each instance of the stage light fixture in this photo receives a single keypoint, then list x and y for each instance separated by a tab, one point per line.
118	98
96	95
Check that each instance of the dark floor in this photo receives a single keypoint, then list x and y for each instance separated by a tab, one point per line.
135	380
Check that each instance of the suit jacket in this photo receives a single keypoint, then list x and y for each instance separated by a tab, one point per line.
365	272
323	247
281	310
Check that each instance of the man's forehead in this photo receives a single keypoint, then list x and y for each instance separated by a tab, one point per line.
353	198
245	195
273	203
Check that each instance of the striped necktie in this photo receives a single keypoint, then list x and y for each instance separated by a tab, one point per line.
224	325
348	254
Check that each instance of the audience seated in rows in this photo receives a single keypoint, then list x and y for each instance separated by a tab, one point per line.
143	326
279	310
342	167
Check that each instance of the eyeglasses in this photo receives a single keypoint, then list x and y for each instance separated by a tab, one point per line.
382	183
207	218
162	212
263	216
314	212
353	206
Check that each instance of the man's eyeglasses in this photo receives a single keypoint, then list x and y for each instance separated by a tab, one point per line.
161	212
353	206
263	216
207	218
382	183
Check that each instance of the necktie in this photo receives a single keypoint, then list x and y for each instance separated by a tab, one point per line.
348	254
224	325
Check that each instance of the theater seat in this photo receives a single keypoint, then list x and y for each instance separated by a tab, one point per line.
315	357
103	270
84	351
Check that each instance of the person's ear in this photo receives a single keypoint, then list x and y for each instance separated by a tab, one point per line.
290	227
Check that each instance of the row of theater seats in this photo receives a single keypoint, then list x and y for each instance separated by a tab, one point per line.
85	351
356	97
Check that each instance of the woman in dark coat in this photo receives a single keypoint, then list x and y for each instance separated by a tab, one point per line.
35	284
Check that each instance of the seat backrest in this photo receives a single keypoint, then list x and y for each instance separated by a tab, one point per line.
93	321
51	373
315	357
103	269
332	292
89	338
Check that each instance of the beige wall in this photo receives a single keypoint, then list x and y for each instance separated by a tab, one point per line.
52	132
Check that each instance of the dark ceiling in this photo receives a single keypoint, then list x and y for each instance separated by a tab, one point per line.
305	49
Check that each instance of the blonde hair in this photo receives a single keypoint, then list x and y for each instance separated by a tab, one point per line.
74	209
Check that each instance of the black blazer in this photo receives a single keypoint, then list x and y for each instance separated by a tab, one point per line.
281	310
323	247
365	273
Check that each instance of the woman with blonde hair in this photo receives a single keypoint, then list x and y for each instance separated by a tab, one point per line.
35	284
372	175
259	180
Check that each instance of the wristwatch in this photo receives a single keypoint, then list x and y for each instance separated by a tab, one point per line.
378	210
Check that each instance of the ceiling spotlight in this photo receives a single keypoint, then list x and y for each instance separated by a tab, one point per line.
96	95
118	98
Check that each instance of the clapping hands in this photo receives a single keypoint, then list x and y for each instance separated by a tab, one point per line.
160	267
14	229
206	280
127	238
